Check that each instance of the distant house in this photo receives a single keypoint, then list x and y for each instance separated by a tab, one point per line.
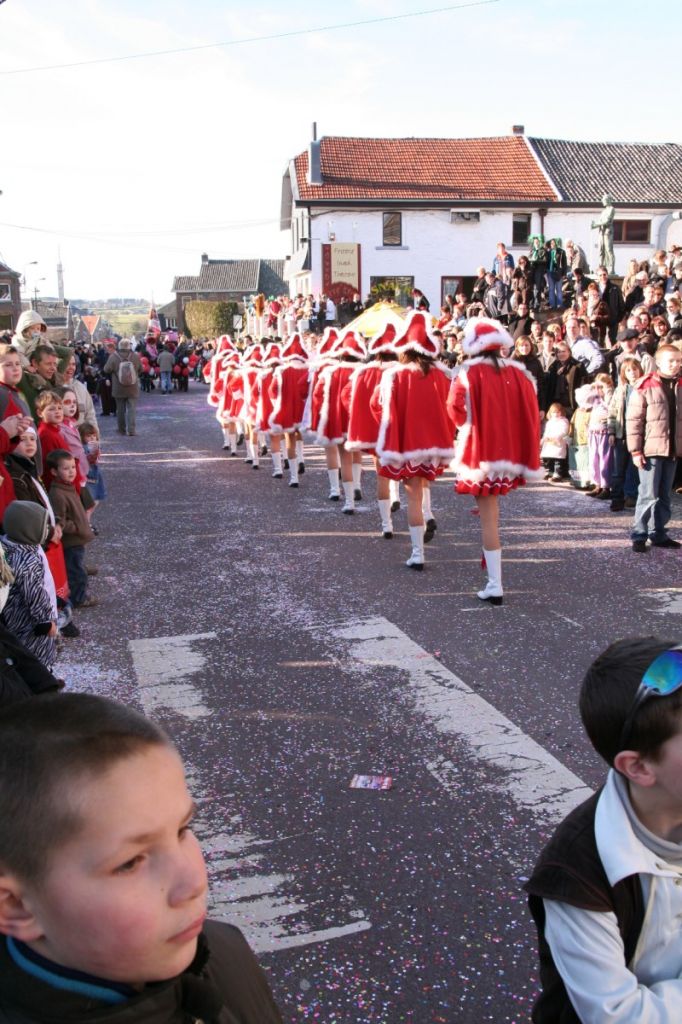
58	316
10	298
228	281
168	317
373	214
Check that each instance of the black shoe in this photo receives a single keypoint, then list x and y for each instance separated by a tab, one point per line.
240	440
348	511
301	468
293	483
617	506
429	530
417	566
248	462
225	447
630	502
357	494
387	534
395	506
263	450
596	493
70	630
286	463
668	542
277	476
605	495
233	455
335	497
255	466
639	544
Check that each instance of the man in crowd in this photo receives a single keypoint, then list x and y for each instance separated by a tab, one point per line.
41	375
654	439
613	297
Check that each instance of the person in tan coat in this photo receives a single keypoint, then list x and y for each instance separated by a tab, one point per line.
654	438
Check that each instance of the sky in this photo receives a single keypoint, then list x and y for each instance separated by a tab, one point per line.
132	168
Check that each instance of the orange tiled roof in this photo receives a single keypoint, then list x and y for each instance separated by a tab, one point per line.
500	169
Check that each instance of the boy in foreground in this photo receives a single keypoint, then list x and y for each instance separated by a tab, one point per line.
606	893
102	882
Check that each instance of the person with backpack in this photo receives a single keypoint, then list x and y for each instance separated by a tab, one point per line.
125	367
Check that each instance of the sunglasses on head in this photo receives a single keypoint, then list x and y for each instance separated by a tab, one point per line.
662	678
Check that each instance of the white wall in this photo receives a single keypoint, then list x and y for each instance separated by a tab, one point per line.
433	247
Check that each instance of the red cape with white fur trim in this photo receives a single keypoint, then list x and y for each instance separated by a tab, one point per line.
363	426
498	443
332	394
288	392
416	433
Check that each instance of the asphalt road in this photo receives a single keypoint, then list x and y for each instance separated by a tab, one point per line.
286	648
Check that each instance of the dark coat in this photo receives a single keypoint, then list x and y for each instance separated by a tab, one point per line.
562	381
223	985
613	297
21	676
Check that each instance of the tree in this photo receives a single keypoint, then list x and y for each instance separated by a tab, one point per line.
200	317
224	317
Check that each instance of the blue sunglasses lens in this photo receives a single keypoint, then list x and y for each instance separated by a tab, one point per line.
664	675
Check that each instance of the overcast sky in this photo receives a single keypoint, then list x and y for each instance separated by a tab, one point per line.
136	167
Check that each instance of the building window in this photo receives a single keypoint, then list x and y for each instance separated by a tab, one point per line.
393	229
5	295
520	228
396	289
449	286
631	231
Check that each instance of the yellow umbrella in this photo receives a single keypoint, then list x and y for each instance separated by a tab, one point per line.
374	319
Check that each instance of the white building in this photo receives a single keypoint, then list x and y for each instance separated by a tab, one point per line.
402	213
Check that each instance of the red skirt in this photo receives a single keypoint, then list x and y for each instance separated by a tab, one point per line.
408	470
489	488
55	559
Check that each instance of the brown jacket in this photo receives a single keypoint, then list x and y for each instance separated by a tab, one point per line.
647	421
69	510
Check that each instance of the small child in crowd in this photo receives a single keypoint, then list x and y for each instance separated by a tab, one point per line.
624	474
71	433
578	453
103	885
598	438
31	608
555	437
50	413
91	447
76	531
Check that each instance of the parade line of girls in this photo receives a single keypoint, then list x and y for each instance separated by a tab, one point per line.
392	399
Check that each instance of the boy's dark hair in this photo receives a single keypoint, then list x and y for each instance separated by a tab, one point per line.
56	456
608	692
47	747
46	398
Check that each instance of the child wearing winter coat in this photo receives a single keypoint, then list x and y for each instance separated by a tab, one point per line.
95	480
600	450
554	450
578	453
624	475
31	608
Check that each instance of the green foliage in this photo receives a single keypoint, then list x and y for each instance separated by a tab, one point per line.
200	317
224	317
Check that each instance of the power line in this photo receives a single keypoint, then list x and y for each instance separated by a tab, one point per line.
250	39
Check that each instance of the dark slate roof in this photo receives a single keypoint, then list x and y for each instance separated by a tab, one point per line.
271	280
168	310
240	276
633	173
185	284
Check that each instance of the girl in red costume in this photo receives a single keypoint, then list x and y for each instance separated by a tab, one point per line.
332	395
494	405
228	411
288	393
271	361
311	416
416	433
251	366
363	428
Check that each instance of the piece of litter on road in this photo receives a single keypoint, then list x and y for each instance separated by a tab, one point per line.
371	782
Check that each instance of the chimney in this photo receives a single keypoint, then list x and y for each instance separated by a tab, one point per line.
315	159
518	129
204	257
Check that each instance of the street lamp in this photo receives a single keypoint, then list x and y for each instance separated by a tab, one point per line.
35	291
31	263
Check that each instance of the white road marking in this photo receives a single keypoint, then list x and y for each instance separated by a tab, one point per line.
242	892
669	599
559	615
161	664
534	779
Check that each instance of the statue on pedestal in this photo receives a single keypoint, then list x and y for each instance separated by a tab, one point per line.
605	226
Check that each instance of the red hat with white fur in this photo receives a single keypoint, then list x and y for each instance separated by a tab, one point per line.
254	356
384	341
351	344
416	335
329	341
484	335
294	349
273	356
225	344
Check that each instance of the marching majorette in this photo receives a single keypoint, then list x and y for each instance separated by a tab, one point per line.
311	416
494	405
271	361
251	365
289	393
228	410
416	433
332	395
363	428
213	369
